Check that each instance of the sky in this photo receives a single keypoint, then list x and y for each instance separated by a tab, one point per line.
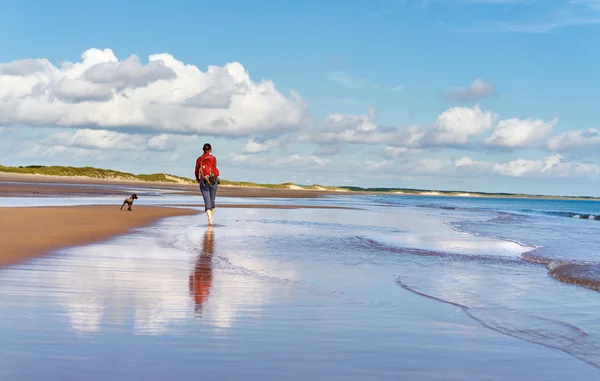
471	95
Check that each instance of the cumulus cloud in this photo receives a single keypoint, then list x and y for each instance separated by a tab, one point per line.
394	152
517	133
342	128
551	165
166	142
477	90
453	128
164	95
90	139
579	140
77	90
282	162
24	67
253	146
128	74
97	139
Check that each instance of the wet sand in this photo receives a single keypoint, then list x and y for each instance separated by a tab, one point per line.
34	231
288	295
272	206
30	232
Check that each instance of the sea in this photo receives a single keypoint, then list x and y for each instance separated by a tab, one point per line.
386	287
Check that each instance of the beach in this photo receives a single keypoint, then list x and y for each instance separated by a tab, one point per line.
30	232
323	288
34	231
19	185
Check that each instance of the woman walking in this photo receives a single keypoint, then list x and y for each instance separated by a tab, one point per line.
207	175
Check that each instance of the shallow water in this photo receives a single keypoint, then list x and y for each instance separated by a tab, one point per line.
383	293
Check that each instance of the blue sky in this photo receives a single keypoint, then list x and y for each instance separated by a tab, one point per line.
387	69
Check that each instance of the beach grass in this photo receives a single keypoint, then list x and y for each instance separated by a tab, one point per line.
92	172
109	174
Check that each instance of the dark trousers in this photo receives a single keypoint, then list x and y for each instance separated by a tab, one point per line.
209	192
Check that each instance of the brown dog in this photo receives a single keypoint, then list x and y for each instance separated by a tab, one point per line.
129	201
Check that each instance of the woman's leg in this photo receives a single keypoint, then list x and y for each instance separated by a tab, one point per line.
213	195
205	189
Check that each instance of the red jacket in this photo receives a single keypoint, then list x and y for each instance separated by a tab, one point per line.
205	165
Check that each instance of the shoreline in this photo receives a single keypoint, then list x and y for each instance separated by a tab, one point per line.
62	185
36	231
32	232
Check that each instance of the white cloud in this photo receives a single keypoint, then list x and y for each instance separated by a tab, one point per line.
329	149
455	126
517	133
580	140
24	67
166	142
477	90
551	165
340	128
73	154
463	165
128	74
282	162
394	152
253	146
77	90
89	139
98	139
163	95
410	165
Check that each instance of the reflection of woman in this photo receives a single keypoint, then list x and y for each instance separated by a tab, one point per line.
201	279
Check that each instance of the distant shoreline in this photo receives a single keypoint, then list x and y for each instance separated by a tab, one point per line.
229	188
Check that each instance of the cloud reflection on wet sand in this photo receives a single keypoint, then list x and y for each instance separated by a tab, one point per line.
268	294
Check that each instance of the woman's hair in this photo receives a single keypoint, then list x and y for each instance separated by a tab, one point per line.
206	147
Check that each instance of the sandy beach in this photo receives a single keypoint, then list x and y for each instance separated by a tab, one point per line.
26	233
318	288
29	232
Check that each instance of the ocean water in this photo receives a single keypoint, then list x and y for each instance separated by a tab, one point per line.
419	288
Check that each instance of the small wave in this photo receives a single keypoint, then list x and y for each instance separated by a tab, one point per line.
325	225
584	275
581	215
371	244
581	274
549	333
463	227
501	214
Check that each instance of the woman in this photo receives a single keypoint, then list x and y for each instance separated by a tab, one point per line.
207	175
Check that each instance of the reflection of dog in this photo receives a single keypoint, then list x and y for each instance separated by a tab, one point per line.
129	201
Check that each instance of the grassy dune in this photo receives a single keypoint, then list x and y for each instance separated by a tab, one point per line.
95	173
109	174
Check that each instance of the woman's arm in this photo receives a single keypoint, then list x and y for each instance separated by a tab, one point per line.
197	170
